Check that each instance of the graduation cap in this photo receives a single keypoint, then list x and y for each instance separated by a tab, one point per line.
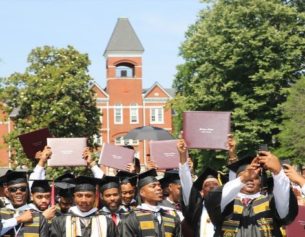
65	184
2	180
108	182
85	183
41	186
206	174
242	163
147	178
15	177
126	177
170	176
67	178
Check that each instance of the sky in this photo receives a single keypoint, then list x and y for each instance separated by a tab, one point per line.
87	26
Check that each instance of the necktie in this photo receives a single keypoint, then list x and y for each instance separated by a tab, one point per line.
246	201
114	218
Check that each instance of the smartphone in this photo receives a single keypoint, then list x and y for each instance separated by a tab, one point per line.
263	147
284	162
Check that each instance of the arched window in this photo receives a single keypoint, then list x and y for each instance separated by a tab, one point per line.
124	70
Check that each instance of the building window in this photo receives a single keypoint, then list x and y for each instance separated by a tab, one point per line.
134	113
120	141
118	114
101	115
156	115
133	142
124	70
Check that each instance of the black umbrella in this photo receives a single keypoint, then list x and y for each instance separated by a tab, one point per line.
148	133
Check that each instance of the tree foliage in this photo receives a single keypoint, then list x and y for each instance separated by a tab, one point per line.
292	136
242	56
54	92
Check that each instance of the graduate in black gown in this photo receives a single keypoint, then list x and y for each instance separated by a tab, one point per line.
171	183
65	185
128	183
17	218
149	218
240	209
197	222
195	211
41	199
111	200
83	219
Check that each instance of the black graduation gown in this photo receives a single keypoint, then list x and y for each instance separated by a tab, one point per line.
131	227
43	227
58	227
166	203
213	201
192	214
122	213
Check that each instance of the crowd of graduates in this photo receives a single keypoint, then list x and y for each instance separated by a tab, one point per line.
255	198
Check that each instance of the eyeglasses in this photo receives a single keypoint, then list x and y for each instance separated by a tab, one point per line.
15	189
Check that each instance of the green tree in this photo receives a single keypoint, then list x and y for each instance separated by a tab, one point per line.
292	136
54	92
242	56
299	4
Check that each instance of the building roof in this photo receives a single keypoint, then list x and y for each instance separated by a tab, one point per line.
124	39
103	91
169	91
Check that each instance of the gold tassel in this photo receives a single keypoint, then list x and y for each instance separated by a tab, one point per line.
219	178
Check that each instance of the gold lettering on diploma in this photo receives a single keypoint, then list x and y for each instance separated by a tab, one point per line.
169	154
206	130
116	157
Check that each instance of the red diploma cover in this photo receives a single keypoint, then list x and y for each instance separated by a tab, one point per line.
116	156
33	142
165	154
297	227
206	129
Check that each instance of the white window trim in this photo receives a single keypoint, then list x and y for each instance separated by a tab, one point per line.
137	113
121	143
157	122
114	114
101	114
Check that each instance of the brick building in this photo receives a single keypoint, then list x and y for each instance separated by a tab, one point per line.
124	103
6	126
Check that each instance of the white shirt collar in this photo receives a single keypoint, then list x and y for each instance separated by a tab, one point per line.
132	201
148	207
251	196
75	210
170	201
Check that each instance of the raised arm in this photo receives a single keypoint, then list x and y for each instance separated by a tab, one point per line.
184	172
97	171
294	177
281	189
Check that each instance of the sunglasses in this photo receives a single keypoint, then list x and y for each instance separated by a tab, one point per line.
15	189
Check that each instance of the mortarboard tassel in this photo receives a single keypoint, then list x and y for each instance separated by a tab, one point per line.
219	178
52	194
